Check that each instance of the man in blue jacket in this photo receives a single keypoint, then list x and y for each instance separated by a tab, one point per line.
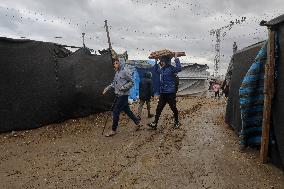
167	88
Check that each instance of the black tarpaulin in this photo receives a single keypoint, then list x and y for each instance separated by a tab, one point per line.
277	152
28	89
38	87
83	77
242	61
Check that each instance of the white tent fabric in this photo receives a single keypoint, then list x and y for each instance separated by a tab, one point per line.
194	87
193	80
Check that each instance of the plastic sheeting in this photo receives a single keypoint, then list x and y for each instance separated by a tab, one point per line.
193	87
138	69
193	80
251	101
155	78
29	86
277	152
38	87
242	61
134	91
82	78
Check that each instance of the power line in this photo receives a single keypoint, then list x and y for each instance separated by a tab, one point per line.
218	33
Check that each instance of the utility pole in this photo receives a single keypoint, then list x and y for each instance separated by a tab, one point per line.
217	56
218	32
108	38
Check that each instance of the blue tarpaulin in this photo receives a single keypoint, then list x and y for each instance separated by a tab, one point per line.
155	78
134	91
251	101
138	74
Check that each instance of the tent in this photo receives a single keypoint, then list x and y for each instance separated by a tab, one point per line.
240	63
42	83
193	80
277	119
139	68
243	81
82	78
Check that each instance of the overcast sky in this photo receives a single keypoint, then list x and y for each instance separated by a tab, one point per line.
142	26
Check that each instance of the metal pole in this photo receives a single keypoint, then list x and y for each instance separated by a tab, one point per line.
217	49
217	33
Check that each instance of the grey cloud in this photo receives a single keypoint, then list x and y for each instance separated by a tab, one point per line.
187	22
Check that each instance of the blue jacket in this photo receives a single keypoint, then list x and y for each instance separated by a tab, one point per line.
167	76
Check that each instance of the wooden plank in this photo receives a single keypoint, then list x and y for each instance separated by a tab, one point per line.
268	95
164	52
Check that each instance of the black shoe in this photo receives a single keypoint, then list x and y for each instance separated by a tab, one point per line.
138	126
153	125
176	125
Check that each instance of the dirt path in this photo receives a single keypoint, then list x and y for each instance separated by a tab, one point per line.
203	153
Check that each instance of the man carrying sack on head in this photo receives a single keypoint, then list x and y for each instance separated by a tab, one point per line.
167	87
122	84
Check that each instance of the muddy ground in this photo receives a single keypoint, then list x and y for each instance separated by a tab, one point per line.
203	153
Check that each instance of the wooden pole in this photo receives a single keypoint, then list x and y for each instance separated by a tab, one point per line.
268	95
108	38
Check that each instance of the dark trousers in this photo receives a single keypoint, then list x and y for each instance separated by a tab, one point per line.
141	103
120	105
217	94
165	98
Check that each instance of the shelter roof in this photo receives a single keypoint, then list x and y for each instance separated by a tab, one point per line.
251	46
185	65
275	21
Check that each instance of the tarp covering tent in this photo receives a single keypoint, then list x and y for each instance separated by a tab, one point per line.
251	94
252	107
149	67
82	78
134	91
39	85
193	80
29	85
277	150
241	62
242	65
139	68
